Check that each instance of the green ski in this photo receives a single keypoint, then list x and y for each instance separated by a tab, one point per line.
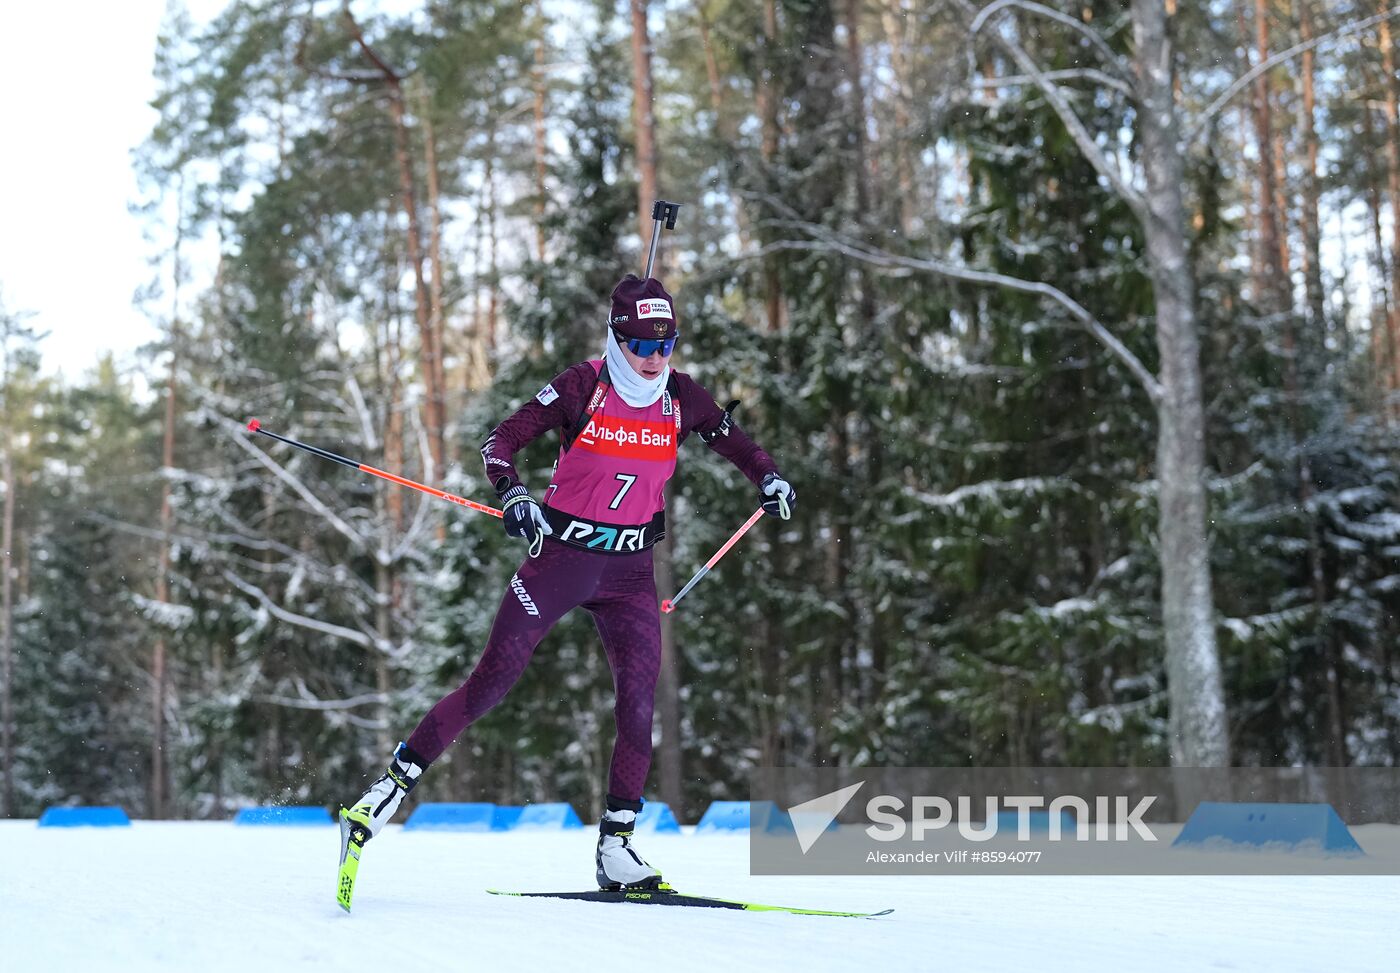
353	835
673	898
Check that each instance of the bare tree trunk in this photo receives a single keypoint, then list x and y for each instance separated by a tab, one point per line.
7	622
1380	335
162	596
1392	160
711	69
768	116
537	81
855	72
895	19
643	119
435	413
1199	732
429	352
493	283
724	122
1315	342
1285	254
392	500
436	318
158	651
216	751
1269	235
478	354
1312	227
844	548
383	621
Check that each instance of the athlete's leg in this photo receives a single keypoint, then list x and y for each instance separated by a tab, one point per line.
629	621
625	611
538	595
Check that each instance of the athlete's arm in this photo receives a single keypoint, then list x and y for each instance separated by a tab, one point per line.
701	415
553	407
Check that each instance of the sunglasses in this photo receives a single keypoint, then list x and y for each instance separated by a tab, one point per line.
646	347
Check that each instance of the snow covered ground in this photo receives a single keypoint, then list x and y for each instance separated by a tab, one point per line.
206	897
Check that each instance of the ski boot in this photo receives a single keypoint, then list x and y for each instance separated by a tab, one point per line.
619	865
371	812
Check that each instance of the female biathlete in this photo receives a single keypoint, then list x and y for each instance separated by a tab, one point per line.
621	420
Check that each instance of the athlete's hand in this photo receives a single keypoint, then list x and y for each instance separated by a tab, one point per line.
778	497
522	517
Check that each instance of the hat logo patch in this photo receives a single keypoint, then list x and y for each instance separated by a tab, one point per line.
654	308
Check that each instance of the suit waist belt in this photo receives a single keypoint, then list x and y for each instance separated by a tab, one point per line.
593	535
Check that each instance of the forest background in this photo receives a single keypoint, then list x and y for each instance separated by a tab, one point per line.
1076	327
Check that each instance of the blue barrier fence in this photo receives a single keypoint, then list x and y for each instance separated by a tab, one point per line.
84	817
658	818
552	817
293	816
1283	827
452	817
481	817
506	817
729	816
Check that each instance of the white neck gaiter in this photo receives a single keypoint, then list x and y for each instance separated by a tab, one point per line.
635	390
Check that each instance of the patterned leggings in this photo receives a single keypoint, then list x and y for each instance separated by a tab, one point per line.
619	591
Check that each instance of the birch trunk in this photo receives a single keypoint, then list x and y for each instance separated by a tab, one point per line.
1199	733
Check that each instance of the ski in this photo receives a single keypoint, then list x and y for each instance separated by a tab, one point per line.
353	835
663	897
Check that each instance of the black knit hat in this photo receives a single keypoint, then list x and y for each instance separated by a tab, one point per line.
642	309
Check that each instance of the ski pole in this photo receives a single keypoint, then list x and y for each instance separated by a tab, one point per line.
665	213
669	604
255	426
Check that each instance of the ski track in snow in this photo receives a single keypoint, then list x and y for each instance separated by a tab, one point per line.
206	897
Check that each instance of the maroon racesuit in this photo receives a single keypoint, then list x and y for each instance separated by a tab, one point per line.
605	507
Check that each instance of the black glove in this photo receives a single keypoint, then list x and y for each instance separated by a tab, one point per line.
522	517
777	496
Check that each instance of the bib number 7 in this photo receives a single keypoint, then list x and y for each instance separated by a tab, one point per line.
627	482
